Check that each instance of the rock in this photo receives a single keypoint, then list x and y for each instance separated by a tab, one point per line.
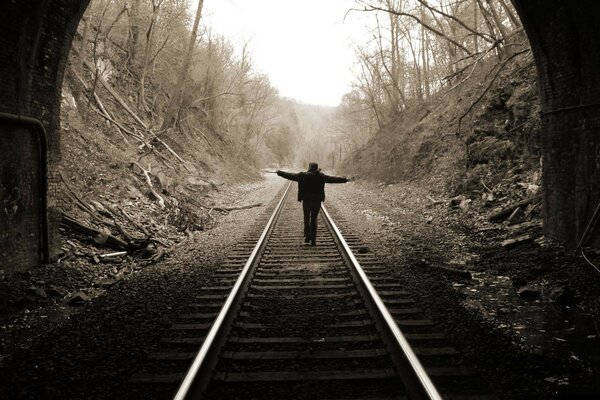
104	282
518	281
532	189
561	295
37	291
54	291
362	250
456	201
527	292
21	302
77	299
465	205
25	274
516	217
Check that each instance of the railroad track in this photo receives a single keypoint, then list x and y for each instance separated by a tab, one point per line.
283	320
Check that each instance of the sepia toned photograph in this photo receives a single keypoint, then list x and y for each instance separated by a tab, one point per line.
303	200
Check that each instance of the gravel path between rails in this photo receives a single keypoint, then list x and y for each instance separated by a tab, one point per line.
414	237
92	353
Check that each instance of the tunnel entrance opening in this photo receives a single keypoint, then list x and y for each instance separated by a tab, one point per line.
36	38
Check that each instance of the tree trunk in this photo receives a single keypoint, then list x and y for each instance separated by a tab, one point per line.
424	58
476	26
146	60
174	104
490	25
501	28
84	39
134	31
511	15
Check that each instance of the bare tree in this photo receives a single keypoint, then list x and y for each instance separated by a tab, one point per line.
175	101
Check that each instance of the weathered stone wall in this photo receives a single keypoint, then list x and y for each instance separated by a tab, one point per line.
21	216
565	38
35	38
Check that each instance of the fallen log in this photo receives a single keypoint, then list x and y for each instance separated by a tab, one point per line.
515	242
99	236
227	209
506	212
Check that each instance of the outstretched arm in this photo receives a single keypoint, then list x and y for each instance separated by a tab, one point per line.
335	179
288	175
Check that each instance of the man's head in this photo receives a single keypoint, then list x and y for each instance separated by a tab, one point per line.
313	166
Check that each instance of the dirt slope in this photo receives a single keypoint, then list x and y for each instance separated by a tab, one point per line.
496	143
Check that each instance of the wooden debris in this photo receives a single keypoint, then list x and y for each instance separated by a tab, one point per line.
515	242
115	254
146	175
100	237
434	201
506	212
516	217
227	209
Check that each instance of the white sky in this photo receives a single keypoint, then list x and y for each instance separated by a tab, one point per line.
304	46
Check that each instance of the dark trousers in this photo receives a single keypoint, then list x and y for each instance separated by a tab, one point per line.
311	212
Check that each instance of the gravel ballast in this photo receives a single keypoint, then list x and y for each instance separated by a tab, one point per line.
434	248
92	350
95	350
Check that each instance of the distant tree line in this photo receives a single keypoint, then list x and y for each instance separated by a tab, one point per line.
179	78
419	49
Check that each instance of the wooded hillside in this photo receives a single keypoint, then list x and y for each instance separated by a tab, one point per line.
445	94
158	112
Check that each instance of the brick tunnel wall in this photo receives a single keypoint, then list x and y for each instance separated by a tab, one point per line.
565	39
35	39
21	234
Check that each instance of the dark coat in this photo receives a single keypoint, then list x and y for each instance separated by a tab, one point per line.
311	184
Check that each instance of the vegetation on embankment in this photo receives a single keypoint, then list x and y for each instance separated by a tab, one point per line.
457	143
445	95
159	112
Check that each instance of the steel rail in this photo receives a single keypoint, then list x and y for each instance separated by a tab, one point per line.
416	373
189	385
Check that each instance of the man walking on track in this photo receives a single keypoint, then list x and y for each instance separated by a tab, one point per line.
311	192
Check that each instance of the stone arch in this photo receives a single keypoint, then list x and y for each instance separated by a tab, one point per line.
565	39
36	36
35	39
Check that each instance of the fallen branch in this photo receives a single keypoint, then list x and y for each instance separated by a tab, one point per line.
146	174
140	227
506	212
78	200
117	97
489	86
434	201
116	254
208	141
99	236
170	150
227	209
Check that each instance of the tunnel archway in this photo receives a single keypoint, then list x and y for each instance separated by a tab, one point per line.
36	36
35	39
565	39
